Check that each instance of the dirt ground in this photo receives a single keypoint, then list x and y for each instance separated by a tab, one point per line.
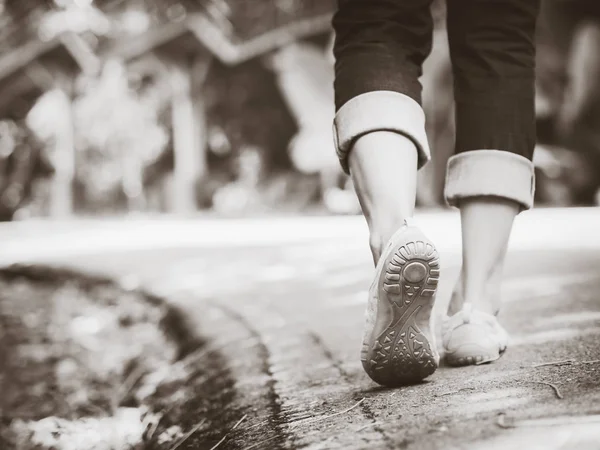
85	364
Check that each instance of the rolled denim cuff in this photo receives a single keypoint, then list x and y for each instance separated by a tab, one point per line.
490	173
380	111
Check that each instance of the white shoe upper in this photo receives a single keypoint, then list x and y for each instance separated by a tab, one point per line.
495	333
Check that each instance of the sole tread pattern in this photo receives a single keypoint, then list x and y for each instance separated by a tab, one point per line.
403	353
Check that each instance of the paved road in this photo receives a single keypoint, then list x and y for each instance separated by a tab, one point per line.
282	302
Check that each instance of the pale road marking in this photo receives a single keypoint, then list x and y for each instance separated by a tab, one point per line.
359	298
550	229
345	278
517	289
555	437
521	288
561	334
188	273
570	318
279	272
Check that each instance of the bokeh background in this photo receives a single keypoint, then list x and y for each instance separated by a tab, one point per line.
112	107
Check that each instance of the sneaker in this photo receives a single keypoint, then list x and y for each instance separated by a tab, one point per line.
473	337
398	345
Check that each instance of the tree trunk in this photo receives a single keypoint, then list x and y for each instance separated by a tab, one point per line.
189	131
64	160
57	129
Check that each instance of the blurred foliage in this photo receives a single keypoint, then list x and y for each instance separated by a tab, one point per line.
22	160
19	20
117	135
257	144
122	117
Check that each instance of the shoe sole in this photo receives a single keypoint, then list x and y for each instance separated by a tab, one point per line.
472	355
398	351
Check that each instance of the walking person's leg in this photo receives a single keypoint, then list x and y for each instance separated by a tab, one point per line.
491	178
380	134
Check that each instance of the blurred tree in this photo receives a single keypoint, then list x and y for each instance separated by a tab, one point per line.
34	63
568	101
112	152
304	74
117	137
20	160
51	119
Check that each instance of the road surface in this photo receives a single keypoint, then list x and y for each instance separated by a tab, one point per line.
281	301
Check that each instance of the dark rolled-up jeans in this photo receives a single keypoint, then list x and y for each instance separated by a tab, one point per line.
380	48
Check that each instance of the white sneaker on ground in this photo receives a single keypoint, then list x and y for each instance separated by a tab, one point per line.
473	337
398	344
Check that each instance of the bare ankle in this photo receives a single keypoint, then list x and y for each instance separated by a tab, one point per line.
383	166
485	298
381	231
480	302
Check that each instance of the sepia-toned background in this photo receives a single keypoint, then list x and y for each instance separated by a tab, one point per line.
118	106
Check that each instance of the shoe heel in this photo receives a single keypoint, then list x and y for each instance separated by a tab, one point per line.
402	348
